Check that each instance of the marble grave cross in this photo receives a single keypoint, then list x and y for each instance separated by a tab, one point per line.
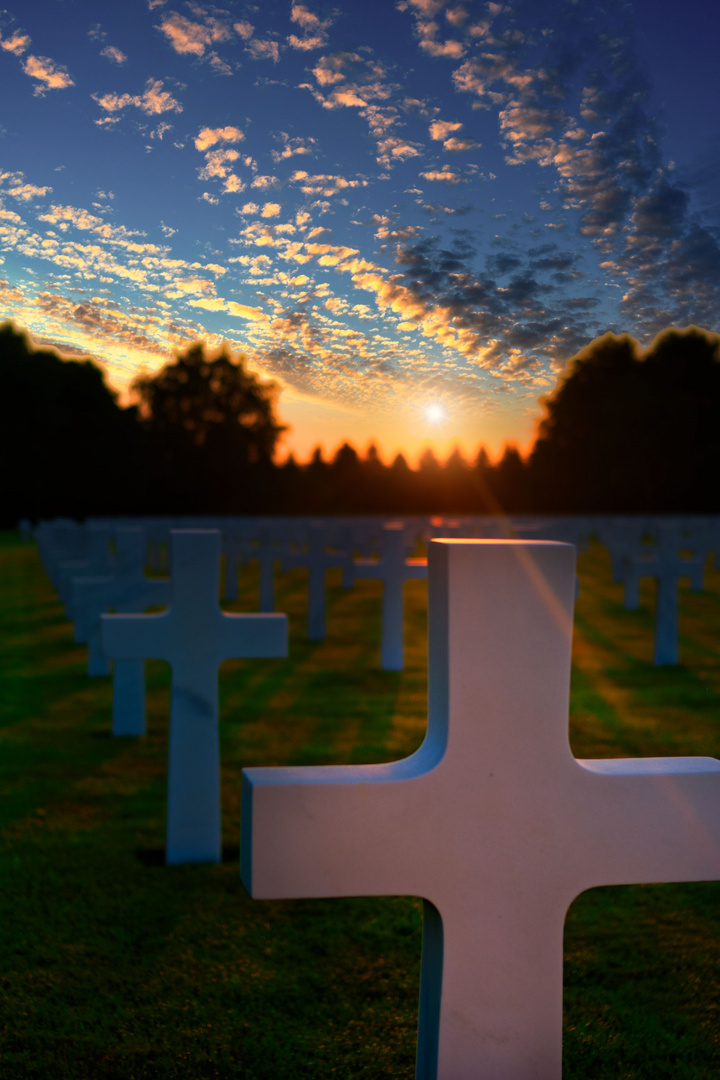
393	569
667	565
317	559
126	590
194	636
492	821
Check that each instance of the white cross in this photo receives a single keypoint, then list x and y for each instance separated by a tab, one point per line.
127	590
95	561
393	569
318	560
492	821
236	546
266	554
58	540
194	636
664	563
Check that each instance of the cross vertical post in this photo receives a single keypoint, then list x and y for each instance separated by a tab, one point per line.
393	569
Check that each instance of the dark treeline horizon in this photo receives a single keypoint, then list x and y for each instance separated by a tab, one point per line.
625	431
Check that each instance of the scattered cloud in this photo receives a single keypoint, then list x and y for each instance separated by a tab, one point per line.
153	101
50	76
441	129
444	175
114	54
210	136
263	50
314	29
292	147
17	43
324	184
192	38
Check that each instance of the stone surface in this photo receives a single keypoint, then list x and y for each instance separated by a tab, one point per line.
318	560
194	636
126	590
667	562
393	568
95	560
492	821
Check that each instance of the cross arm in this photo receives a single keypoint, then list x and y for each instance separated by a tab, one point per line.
264	634
348	830
416	568
137	637
652	819
369	568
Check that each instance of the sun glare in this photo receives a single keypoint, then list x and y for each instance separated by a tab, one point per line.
434	413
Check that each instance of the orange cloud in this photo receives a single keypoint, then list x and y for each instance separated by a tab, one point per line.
187	37
50	75
153	100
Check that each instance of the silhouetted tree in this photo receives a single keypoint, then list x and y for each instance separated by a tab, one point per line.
429	486
487	501
213	432
346	476
458	495
402	486
510	481
631	432
66	447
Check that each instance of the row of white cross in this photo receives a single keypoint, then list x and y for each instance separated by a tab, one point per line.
679	550
492	821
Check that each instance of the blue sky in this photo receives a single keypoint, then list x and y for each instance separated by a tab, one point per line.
386	206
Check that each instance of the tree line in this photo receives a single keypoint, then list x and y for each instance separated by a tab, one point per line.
624	431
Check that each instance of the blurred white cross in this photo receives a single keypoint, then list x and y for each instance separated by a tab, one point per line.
194	636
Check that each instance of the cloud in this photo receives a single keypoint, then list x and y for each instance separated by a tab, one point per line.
454	145
193	38
263	50
270	210
293	146
349	80
19	189
112	53
440	129
245	29
210	136
50	75
153	101
17	43
264	182
219	162
323	183
219	66
314	35
444	175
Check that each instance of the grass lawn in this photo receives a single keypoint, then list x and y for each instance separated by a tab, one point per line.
115	966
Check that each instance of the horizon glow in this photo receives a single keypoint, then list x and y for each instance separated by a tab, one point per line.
378	204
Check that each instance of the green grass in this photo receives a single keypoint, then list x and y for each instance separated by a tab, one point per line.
112	965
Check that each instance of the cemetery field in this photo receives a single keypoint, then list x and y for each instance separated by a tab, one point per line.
114	966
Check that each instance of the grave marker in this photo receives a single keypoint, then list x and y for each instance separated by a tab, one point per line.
194	636
492	821
665	563
393	569
317	559
128	590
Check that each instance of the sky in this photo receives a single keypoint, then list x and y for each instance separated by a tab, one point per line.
409	214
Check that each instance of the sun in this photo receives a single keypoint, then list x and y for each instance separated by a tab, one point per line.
434	413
